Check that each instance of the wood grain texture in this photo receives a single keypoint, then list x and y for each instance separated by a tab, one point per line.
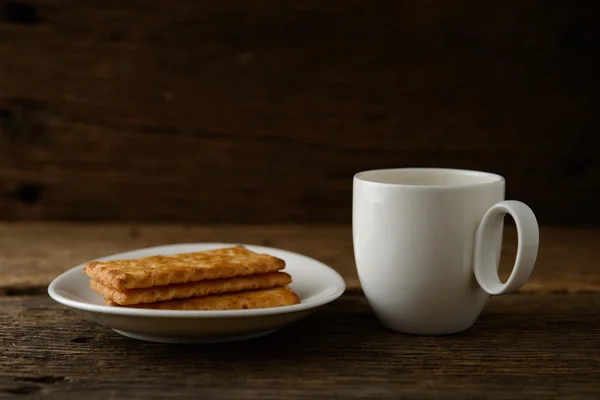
261	112
522	347
32	254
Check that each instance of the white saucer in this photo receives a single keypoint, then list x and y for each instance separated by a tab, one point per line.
315	283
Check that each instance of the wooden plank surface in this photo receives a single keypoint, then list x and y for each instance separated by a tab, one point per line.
261	112
522	347
32	254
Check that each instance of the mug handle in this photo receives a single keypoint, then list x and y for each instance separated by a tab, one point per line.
485	264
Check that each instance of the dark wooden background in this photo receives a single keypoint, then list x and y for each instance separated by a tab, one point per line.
241	111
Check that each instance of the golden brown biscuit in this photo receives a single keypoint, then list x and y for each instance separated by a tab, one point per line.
181	268
262	298
191	289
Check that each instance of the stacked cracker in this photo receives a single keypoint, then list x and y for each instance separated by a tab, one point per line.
220	279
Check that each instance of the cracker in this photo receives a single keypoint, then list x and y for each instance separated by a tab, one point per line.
262	298
162	270
191	289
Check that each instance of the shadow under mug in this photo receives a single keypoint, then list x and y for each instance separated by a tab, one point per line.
427	244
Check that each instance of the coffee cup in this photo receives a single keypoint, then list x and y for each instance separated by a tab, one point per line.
427	244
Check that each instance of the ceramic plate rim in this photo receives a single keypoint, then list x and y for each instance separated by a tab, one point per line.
340	287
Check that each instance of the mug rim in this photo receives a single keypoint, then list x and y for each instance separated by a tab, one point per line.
493	177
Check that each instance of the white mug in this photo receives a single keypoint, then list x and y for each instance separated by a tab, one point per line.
427	244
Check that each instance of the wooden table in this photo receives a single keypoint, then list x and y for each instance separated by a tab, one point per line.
542	342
